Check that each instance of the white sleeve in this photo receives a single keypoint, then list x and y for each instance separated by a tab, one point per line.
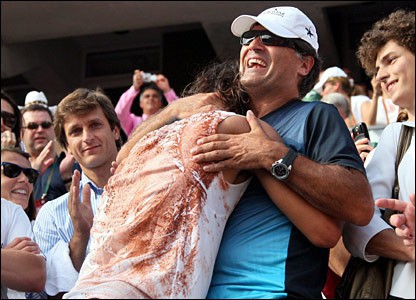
61	275
356	238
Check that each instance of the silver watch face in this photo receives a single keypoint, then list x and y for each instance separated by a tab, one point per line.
280	171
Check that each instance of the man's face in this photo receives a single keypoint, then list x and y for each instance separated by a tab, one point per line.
269	68
91	140
36	139
396	72
150	101
329	87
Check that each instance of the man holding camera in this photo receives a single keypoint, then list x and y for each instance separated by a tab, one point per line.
151	99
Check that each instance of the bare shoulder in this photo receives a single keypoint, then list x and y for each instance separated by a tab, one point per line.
234	124
237	124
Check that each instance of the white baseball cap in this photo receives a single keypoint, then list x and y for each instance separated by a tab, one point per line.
328	73
284	21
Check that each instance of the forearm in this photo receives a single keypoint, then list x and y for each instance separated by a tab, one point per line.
162	118
18	269
77	249
330	188
334	190
123	109
369	111
321	229
387	244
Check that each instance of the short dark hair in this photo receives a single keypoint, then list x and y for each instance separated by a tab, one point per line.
307	83
37	107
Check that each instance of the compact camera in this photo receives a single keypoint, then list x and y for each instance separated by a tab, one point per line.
149	77
360	131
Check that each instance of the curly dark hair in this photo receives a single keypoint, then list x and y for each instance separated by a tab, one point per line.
399	26
223	78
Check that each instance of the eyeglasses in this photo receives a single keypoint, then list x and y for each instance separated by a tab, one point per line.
267	38
34	125
12	171
9	119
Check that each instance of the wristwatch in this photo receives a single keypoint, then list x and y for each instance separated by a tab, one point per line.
281	168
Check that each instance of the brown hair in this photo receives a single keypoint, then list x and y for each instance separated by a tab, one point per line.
344	82
81	102
399	26
31	208
223	78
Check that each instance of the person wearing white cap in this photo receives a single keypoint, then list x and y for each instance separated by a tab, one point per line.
262	254
35	97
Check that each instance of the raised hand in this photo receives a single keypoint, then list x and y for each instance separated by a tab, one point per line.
8	139
137	79
163	83
80	211
45	158
405	221
65	168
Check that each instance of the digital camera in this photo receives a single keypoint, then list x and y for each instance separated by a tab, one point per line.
149	77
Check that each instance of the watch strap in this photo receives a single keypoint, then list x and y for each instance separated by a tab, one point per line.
289	158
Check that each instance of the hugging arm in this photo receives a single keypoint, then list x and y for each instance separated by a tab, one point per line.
321	230
177	110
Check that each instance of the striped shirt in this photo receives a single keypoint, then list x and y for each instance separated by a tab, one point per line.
53	230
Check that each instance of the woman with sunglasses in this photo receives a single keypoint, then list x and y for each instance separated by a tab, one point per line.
17	179
23	267
10	121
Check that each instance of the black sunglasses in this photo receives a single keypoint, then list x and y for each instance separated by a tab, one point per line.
9	119
267	38
34	125
12	171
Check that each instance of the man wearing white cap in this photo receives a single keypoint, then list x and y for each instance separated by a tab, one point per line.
262	254
35	97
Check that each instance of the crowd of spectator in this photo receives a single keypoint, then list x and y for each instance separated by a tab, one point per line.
305	195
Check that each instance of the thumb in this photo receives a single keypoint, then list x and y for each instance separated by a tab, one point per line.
252	120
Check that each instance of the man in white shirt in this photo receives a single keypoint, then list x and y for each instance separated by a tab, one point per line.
87	126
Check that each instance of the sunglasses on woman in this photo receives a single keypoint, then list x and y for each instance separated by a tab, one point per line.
34	125
8	119
267	38
12	170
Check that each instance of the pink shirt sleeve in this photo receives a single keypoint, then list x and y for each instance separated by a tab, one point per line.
171	96
128	120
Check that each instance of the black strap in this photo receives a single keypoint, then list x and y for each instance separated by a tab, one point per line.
402	146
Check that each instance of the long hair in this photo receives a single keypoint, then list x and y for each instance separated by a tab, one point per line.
18	127
224	79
